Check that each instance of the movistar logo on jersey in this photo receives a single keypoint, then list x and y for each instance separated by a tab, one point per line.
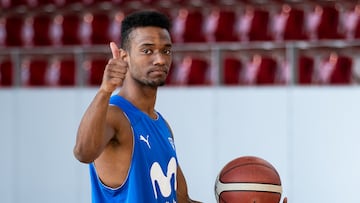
163	180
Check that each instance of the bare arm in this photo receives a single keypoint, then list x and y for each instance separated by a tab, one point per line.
94	131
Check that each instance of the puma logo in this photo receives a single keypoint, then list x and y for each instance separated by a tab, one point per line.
146	140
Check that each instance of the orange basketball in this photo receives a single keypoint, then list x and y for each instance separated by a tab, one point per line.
248	179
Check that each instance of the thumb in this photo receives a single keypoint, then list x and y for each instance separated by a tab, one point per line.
114	50
285	200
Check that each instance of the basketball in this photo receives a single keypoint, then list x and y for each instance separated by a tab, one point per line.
248	179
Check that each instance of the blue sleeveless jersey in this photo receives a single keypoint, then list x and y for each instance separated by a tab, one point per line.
153	168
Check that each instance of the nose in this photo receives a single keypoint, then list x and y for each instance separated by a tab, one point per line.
159	59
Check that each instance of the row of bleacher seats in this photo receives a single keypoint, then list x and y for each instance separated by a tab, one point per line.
215	24
259	69
84	25
61	29
11	4
41	71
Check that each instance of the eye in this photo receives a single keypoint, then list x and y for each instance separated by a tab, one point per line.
167	51
147	51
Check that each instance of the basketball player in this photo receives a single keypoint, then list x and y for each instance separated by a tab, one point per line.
128	144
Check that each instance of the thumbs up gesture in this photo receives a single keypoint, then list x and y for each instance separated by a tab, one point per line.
115	71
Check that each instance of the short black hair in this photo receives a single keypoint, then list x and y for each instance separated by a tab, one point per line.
142	19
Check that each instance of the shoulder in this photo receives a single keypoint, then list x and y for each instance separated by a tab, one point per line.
116	115
117	120
115	112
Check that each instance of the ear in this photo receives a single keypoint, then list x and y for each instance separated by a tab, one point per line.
124	55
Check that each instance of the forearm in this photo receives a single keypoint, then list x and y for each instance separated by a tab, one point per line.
91	132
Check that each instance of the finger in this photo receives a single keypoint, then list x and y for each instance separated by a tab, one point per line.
114	50
285	200
117	74
117	65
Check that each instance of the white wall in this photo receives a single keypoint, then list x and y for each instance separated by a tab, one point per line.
309	134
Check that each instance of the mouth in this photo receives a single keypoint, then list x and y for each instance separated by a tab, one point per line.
158	71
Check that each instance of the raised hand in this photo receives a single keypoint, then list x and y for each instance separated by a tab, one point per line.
115	71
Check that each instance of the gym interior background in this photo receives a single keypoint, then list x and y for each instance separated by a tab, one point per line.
274	79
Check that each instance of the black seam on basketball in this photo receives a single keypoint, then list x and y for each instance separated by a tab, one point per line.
248	191
220	197
250	183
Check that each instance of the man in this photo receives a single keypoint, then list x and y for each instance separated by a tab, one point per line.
128	145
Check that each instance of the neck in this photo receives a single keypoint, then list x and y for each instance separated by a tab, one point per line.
143	98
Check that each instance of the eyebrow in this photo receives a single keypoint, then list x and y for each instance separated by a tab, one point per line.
151	45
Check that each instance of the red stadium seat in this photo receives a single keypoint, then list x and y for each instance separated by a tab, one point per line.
259	26
35	72
61	72
95	68
305	70
253	25
67	75
6	73
329	25
342	73
100	28
188	26
295	25
261	70
220	26
71	29
232	69
351	23
267	71
14	30
323	23
198	72
42	34
325	69
192	71
288	24
335	69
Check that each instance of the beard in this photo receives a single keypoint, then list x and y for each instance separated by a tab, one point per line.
151	82
156	83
